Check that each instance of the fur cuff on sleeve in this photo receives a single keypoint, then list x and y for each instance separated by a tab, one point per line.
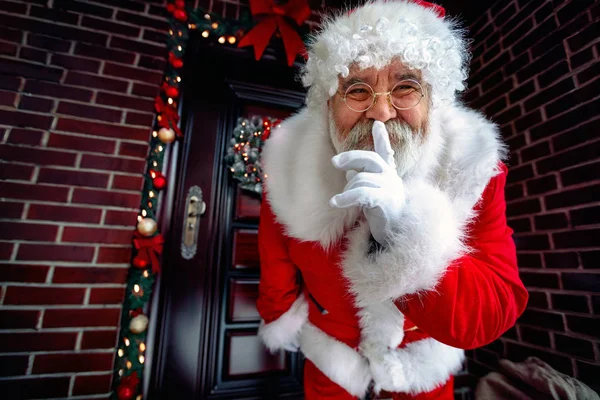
427	238
284	332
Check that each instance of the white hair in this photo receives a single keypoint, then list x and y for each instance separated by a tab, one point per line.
380	31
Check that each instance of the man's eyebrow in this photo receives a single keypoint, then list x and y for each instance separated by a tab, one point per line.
350	82
407	75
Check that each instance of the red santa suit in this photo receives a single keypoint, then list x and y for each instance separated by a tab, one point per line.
397	317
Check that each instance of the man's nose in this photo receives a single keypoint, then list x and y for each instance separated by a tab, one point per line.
382	110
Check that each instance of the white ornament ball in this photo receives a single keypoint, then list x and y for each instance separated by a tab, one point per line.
138	324
147	226
166	135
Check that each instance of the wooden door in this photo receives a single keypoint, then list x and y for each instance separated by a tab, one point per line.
205	344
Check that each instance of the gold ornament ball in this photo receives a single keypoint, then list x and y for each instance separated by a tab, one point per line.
147	226
166	135
138	324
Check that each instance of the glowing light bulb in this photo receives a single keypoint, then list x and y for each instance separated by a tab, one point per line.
205	34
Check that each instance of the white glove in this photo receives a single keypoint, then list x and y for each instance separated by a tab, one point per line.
377	188
292	346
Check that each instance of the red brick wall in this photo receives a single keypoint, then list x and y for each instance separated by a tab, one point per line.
534	71
76	99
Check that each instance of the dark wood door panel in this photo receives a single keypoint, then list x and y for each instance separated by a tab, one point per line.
242	301
245	249
246	357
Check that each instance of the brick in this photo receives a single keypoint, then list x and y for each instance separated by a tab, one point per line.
91	384
135	74
520	224
74	178
516	352
555	91
81	143
54	15
577	135
137	46
23	273
112	163
154	63
14	8
35	341
8	49
551	221
572	9
519	174
535	336
104	53
28	70
513	192
99	340
58	91
125	102
27	231
86	317
569	302
37	156
114	255
486	357
133	149
126	182
518	33
48	43
535	36
25	136
64	213
13	365
584	37
141	119
577	238
93	275
590	259
522	207
52	252
573	197
154	36
527	70
107	295
120	218
35	388
22	119
498	90
496	106
8	98
11	35
588	373
543	319
541	185
84	8
96	235
75	63
532	242
34	103
534	152
126	200
588	74
581	282
91	112
585	216
521	92
10	83
561	259
584	325
54	363
6	250
140	20
129	5
573	99
543	12
36	55
15	171
569	158
557	71
18	319
502	17
581	58
537	299
529	260
539	280
110	27
40	295
94	81
100	129
516	142
11	210
145	90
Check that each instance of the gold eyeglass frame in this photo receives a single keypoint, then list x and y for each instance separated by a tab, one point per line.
388	94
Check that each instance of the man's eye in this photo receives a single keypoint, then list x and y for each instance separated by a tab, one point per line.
358	91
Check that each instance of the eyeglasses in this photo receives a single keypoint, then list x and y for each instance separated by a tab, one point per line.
404	95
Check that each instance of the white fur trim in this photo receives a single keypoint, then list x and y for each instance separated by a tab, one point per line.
373	34
338	361
419	367
382	323
284	332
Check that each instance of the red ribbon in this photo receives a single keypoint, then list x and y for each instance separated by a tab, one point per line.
168	115
149	249
275	18
439	10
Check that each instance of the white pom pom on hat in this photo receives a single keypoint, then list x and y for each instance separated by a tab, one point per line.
414	31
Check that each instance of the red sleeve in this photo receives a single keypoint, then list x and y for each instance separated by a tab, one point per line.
278	286
481	295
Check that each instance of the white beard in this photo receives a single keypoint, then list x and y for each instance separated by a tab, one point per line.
407	144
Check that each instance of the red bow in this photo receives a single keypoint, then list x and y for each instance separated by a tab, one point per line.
260	35
131	380
439	10
149	249
168	115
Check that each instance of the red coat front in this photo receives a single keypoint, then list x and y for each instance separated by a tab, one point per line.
450	283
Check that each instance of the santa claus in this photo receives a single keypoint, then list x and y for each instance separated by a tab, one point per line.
386	196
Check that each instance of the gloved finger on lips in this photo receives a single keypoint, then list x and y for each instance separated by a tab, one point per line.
381	141
359	160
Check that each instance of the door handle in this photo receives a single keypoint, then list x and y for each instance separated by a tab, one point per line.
195	207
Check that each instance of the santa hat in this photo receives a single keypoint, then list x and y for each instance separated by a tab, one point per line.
415	31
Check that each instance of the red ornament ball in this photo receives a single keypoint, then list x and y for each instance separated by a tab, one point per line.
170	7
125	393
180	15
177	63
172	91
140	263
180	3
159	181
